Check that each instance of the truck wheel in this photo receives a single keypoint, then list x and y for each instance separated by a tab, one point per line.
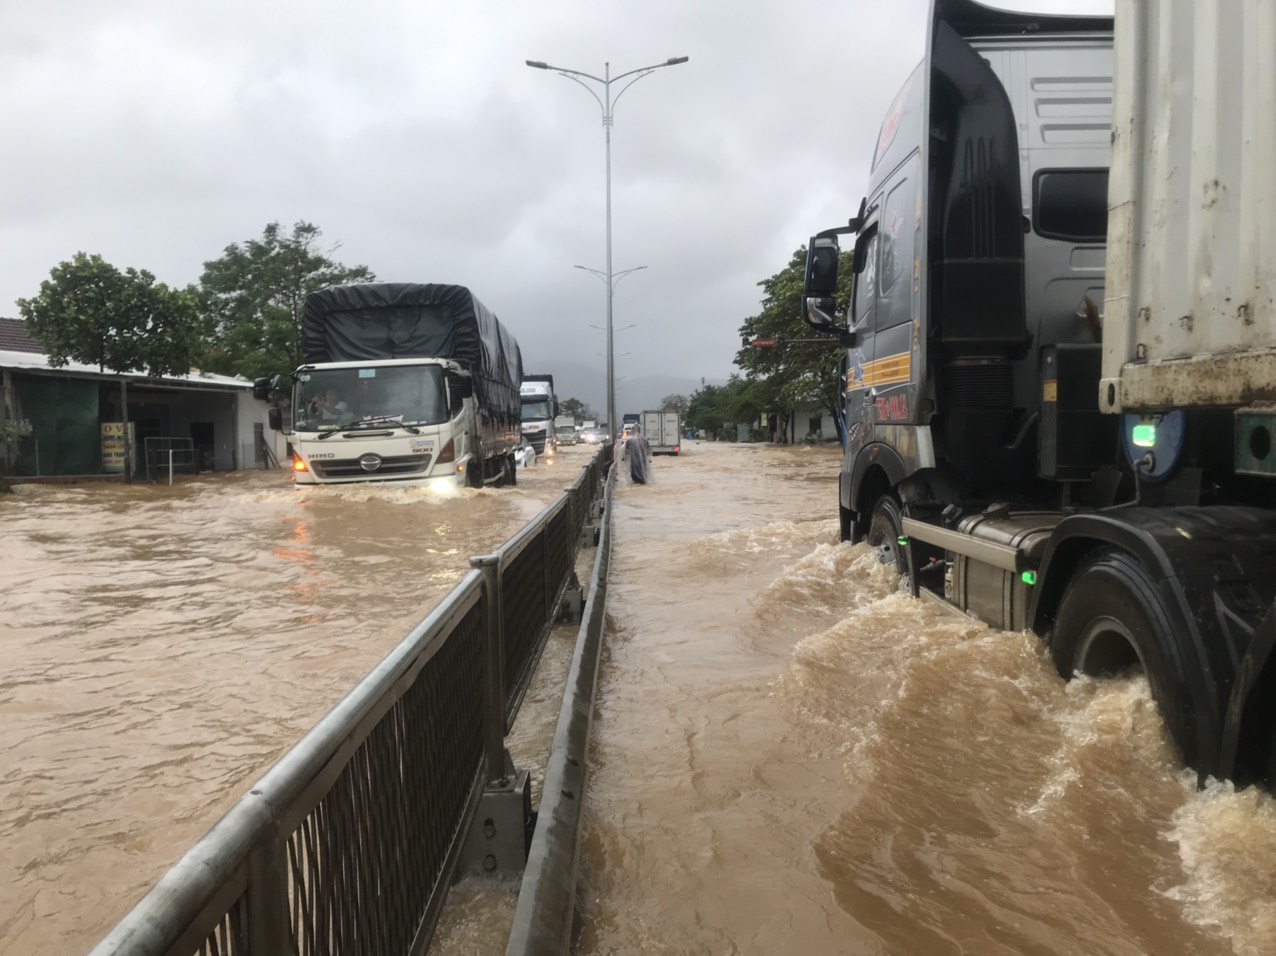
474	473
511	471
885	529
1112	622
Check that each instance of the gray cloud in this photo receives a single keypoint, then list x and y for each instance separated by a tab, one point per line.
157	133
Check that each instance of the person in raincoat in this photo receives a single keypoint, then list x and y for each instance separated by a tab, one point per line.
637	455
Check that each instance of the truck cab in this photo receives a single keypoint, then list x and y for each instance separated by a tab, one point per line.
540	408
977	247
397	420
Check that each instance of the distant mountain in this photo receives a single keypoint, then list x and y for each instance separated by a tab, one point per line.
589	385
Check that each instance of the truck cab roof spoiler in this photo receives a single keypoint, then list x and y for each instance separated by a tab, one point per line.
971	18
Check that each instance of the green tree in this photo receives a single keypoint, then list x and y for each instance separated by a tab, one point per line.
794	374
674	403
577	409
89	311
252	298
718	409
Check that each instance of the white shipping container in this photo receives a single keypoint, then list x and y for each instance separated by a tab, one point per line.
1189	317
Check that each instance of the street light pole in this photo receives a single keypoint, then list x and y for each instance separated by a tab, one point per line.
611	280
607	103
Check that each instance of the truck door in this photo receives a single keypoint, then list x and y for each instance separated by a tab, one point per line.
897	287
669	429
859	360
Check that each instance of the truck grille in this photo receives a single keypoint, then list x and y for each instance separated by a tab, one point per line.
397	466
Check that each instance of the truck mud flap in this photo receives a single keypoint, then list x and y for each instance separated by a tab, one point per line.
1248	752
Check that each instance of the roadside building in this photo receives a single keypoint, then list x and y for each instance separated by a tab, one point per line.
70	422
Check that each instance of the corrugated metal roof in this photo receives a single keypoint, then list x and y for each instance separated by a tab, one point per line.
37	361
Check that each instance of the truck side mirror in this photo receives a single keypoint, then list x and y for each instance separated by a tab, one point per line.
275	418
459	387
819	285
821	267
264	387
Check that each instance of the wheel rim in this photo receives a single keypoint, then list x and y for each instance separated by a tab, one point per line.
886	545
1107	649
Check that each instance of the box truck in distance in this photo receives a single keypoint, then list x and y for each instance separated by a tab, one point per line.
402	382
1059	381
540	408
663	432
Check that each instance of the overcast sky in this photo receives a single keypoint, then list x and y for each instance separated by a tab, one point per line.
157	133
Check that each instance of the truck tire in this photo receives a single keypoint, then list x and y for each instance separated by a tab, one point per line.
511	471
1111	622
885	528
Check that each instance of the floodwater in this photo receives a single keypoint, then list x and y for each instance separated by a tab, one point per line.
162	646
789	755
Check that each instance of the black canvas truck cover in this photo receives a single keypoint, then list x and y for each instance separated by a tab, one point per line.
400	320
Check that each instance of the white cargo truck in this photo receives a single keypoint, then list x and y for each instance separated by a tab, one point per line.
540	408
662	431
402	382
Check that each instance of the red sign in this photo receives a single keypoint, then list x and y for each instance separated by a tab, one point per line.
763	343
893	409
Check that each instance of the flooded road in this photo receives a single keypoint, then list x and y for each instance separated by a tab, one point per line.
791	756
162	646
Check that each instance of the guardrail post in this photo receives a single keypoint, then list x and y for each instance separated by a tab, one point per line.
494	662
269	929
501	830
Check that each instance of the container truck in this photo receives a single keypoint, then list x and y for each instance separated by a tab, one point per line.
663	432
1060	374
402	382
540	408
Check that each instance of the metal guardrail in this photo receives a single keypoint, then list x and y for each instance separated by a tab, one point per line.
348	844
546	906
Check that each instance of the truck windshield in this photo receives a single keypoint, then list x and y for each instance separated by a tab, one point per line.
534	411
343	397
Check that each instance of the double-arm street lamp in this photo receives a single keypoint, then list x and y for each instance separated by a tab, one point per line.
608	102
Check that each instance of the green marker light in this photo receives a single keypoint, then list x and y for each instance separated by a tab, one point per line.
1144	436
902	541
1029	578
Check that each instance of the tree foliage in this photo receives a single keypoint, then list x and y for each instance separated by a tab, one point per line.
577	409
674	403
798	374
89	311
718	409
252	298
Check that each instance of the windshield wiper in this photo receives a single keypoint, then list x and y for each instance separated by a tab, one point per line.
384	420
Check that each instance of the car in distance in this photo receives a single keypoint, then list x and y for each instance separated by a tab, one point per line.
593	436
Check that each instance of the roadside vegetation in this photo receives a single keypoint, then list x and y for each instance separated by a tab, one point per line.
243	318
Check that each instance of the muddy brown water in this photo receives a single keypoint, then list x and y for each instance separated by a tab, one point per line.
789	755
161	647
